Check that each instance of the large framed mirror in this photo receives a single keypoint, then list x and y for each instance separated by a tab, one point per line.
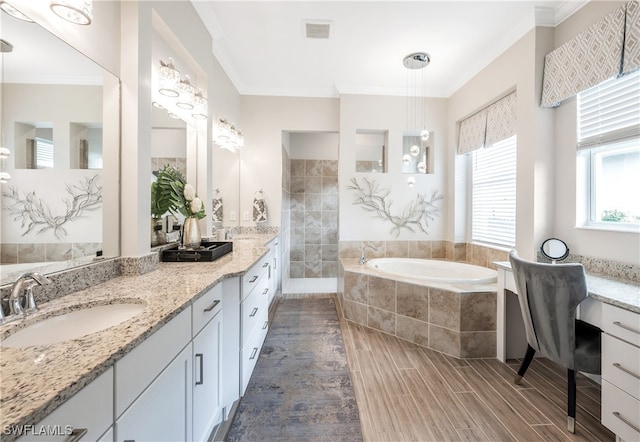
60	123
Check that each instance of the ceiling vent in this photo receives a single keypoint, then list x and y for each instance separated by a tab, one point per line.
316	28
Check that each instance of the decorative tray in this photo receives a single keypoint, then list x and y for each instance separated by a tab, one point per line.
208	251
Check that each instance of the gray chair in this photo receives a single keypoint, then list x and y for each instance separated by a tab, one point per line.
549	295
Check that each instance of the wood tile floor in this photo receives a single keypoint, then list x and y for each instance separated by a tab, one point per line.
409	393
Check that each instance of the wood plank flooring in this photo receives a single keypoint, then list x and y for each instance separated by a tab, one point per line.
408	393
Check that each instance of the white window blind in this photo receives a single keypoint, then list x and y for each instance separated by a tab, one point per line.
44	153
494	194
609	112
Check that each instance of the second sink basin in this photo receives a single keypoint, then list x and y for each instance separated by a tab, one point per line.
73	325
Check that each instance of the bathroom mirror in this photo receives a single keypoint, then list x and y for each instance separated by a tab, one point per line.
554	249
62	100
371	150
417	154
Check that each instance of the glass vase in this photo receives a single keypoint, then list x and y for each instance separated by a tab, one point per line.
191	237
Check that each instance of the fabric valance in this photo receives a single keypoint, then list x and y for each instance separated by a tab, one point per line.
606	49
490	125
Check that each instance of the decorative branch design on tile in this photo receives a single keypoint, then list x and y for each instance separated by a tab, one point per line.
35	214
415	216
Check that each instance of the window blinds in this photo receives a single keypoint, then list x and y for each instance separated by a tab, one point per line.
609	111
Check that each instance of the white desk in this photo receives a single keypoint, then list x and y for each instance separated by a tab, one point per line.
612	305
510	338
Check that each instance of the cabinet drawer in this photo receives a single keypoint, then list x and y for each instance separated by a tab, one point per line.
252	278
251	351
621	365
252	310
205	308
620	412
621	323
140	366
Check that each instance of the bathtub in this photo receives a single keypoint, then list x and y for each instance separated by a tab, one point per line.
434	270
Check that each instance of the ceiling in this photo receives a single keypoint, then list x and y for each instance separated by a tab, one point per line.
262	47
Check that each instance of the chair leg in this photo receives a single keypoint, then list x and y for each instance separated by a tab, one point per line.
528	357
571	400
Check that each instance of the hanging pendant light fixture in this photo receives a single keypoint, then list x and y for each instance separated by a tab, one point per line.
415	64
79	12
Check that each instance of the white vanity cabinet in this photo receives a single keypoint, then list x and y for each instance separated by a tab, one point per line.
153	385
207	360
254	316
88	412
621	372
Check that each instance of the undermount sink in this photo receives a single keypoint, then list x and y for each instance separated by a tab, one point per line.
73	325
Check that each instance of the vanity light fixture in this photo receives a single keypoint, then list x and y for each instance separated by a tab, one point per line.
4	177
187	93
200	106
169	79
79	12
227	136
13	12
4	153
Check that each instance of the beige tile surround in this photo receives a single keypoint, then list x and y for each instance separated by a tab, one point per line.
459	320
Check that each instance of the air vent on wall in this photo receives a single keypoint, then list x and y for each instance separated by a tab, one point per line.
316	28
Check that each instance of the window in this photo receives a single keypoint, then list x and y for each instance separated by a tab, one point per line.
493	211
609	154
44	153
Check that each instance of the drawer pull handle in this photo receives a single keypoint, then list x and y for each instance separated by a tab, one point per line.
626	370
265	291
254	278
212	306
265	264
266	324
617	414
201	365
626	327
253	312
76	435
253	353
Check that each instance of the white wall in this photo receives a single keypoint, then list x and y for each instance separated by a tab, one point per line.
313	146
263	121
389	113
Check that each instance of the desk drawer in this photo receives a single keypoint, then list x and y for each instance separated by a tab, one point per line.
621	364
623	324
620	412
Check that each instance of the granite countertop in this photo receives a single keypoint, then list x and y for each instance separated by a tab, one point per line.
37	379
621	293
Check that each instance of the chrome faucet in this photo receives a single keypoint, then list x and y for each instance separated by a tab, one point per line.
363	257
23	288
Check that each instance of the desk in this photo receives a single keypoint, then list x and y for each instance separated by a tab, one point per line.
601	290
612	305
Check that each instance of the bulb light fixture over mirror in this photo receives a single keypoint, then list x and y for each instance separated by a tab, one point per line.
79	12
227	136
13	12
178	95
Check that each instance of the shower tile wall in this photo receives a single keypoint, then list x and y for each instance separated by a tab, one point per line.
314	219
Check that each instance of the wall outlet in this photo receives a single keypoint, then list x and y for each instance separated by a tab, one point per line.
232	215
245	215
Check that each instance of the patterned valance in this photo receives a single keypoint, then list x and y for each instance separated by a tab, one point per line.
631	56
492	124
593	56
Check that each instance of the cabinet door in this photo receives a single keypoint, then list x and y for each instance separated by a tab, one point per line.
206	379
89	412
163	410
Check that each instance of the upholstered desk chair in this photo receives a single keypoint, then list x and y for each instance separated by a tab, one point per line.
549	295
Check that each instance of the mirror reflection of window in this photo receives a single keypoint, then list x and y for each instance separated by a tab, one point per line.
371	151
39	153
